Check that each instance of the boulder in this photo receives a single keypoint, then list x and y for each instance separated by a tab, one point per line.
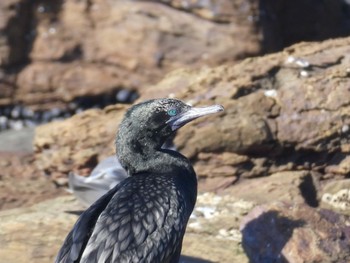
284	232
272	106
335	195
55	51
298	187
35	233
88	48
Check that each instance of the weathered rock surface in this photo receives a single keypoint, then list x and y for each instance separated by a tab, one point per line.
272	108
54	51
335	195
298	187
212	234
34	234
21	184
283	232
77	143
93	47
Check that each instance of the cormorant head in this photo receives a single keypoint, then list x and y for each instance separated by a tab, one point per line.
147	125
153	121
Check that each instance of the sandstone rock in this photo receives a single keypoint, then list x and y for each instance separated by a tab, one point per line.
298	187
46	85
223	11
268	125
89	48
140	41
335	195
35	234
20	183
295	233
77	143
271	110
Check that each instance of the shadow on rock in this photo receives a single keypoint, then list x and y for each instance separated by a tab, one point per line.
264	237
187	259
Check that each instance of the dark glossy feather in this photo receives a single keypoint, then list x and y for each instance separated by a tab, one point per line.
141	219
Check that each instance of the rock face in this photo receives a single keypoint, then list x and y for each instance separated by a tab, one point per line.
272	108
209	237
336	195
299	187
52	52
35	223
295	233
273	105
77	143
94	47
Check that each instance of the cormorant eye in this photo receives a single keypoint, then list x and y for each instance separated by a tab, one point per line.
172	112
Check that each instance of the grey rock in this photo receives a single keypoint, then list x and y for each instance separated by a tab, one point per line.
282	232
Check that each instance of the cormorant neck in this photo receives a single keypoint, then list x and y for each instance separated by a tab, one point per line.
138	158
134	154
138	153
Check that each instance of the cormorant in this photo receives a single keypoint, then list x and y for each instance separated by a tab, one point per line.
143	218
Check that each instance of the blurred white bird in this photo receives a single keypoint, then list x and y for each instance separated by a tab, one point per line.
107	174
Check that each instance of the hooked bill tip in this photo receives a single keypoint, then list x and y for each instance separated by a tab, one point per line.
210	109
220	107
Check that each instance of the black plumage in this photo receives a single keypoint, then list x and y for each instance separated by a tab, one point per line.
144	218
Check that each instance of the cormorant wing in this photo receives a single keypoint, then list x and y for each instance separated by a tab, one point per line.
76	240
144	221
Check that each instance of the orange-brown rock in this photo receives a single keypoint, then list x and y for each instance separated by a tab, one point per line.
272	108
77	143
87	48
281	115
130	44
282	232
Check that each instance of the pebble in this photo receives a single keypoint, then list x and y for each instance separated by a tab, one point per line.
55	112
270	93
27	113
16	125
46	116
16	112
345	128
300	62
123	95
30	123
3	123
304	73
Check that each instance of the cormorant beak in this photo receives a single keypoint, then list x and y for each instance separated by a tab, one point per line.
180	120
